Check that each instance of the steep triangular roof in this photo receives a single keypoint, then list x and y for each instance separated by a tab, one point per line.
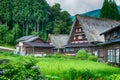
92	27
59	41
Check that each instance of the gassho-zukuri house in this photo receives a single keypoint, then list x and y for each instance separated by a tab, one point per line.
85	34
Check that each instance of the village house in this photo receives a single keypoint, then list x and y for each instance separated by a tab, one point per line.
109	51
85	33
33	45
58	41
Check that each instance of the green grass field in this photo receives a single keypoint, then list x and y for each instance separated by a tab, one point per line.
54	66
65	67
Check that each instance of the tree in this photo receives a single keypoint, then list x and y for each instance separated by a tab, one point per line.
32	17
3	33
109	10
61	20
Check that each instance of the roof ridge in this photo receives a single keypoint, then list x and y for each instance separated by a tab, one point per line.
97	18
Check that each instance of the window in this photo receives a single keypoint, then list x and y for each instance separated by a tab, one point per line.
84	36
79	37
115	34
74	38
76	30
71	49
67	49
111	55
79	29
117	55
108	37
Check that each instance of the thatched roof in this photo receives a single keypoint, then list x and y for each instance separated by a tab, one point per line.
112	29
59	41
92	27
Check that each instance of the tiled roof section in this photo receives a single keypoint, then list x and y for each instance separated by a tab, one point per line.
110	42
59	41
79	45
112	29
35	44
24	38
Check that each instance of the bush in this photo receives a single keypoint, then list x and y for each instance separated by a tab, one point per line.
114	77
92	58
19	71
82	54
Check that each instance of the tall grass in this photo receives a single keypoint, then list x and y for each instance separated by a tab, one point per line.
57	66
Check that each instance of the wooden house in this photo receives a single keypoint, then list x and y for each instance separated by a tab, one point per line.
85	33
109	51
33	45
58	41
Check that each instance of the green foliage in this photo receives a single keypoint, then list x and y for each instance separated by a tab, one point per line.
82	54
18	71
93	58
61	20
31	17
85	74
114	77
3	33
109	10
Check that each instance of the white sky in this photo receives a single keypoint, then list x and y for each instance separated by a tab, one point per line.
79	6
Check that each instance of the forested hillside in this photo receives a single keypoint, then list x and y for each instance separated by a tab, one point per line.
31	17
95	13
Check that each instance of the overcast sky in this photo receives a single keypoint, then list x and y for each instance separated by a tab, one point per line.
79	6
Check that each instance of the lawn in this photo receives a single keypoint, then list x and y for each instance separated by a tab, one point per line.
53	68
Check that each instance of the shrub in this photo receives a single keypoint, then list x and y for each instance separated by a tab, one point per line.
92	58
114	77
82	54
19	71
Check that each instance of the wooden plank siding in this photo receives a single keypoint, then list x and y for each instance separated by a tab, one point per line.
109	51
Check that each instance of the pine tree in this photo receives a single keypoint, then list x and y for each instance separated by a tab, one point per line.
109	10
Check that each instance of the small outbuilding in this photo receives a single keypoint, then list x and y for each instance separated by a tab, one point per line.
33	45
